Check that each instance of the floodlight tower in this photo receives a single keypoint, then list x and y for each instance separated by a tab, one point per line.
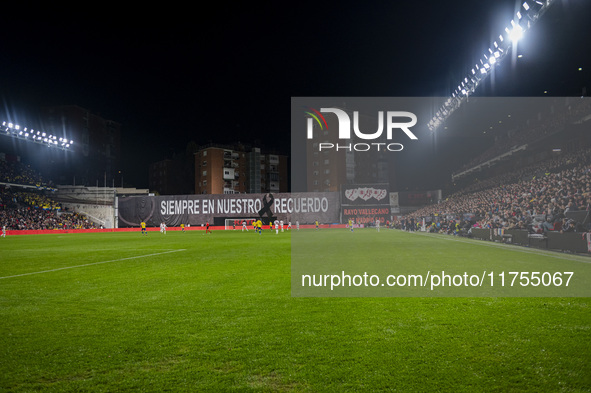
36	136
528	13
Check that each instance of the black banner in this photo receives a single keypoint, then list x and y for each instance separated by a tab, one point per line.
175	210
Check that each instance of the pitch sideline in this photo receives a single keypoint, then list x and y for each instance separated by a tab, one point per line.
513	247
94	263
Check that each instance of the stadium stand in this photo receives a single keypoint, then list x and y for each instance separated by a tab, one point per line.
533	194
24	204
534	130
556	193
20	174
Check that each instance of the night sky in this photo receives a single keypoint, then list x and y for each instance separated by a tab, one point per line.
227	74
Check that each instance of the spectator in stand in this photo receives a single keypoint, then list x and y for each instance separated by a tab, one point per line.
561	188
547	225
568	225
38	219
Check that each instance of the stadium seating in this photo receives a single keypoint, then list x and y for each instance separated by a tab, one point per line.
558	192
24	206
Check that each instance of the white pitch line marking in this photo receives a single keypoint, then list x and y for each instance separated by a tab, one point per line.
511	247
91	264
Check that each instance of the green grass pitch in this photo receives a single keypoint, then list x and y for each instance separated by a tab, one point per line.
193	312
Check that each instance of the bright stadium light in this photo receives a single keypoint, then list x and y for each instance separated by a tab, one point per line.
526	16
516	33
37	136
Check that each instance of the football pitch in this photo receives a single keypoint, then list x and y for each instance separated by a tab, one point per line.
192	312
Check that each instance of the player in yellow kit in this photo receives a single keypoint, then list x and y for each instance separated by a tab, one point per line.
143	225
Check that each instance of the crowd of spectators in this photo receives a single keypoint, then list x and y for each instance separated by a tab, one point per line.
27	218
536	198
19	173
37	201
24	209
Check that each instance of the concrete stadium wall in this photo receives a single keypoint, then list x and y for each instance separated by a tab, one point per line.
99	214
